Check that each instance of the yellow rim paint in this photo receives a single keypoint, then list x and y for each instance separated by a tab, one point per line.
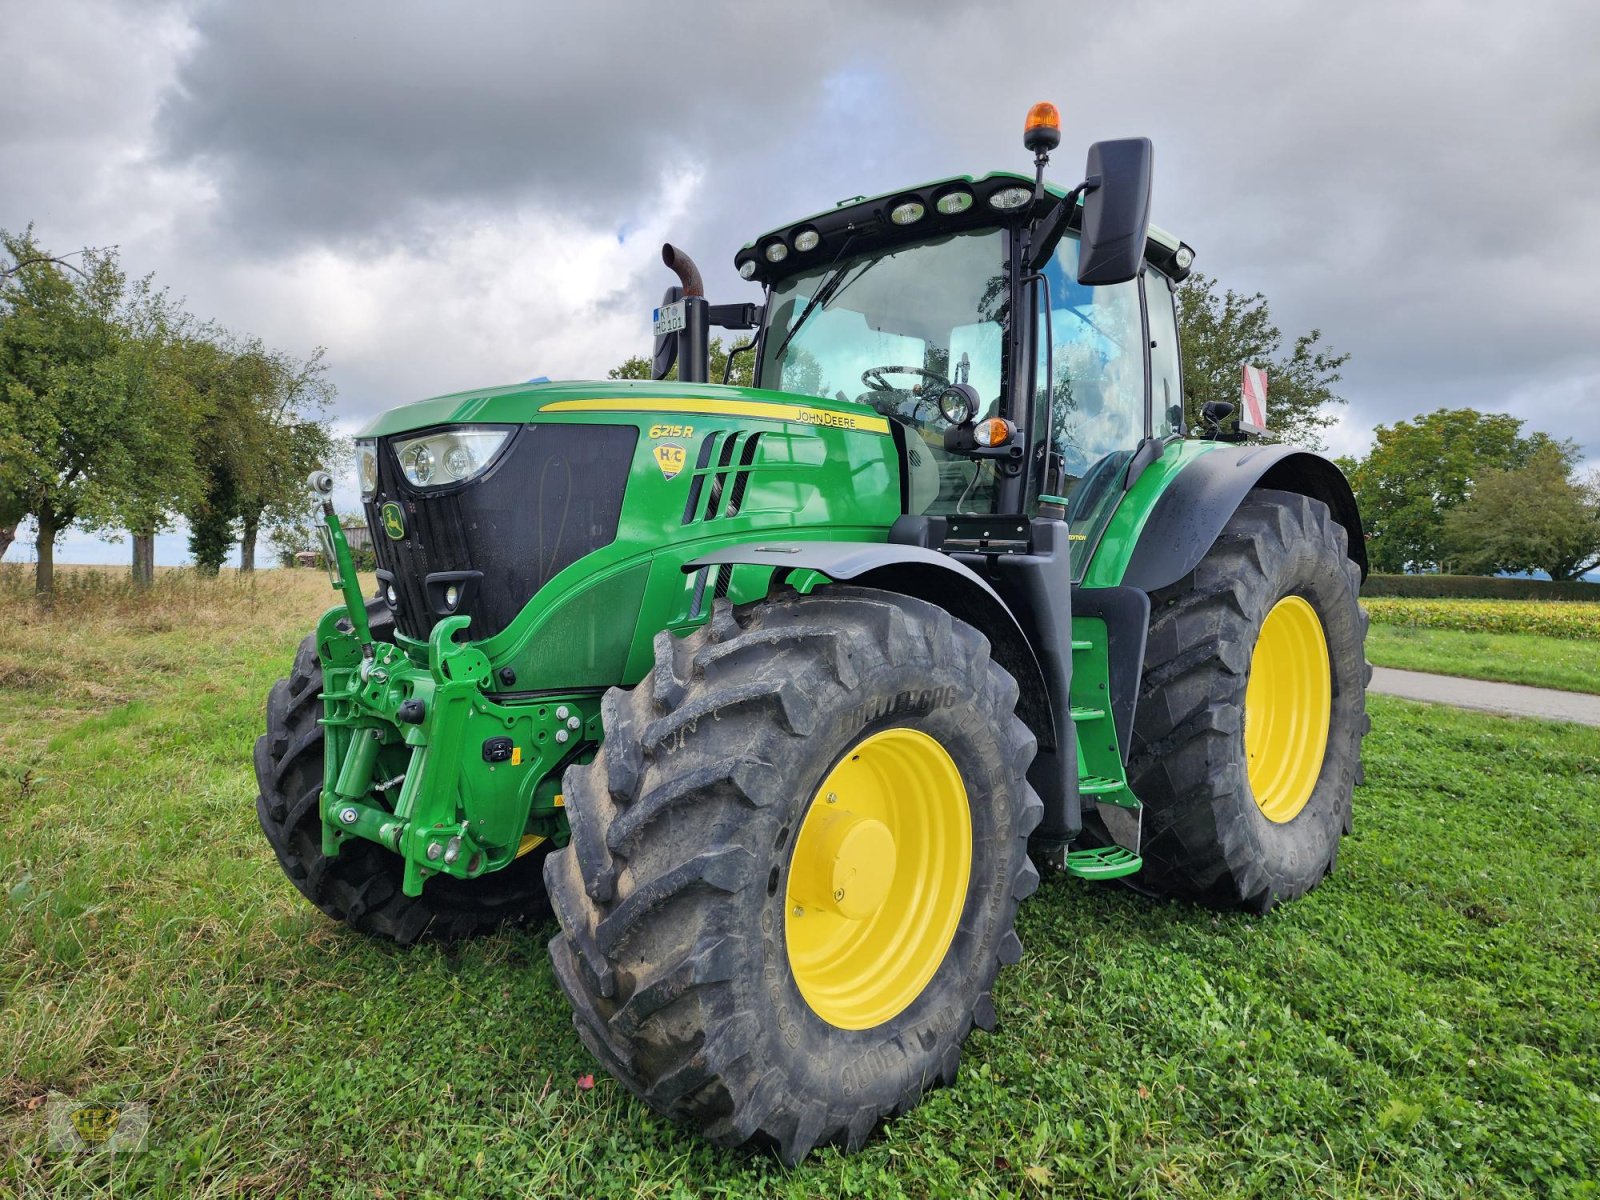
878	878
800	413
1287	707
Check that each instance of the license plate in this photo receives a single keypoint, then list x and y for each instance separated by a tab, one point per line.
668	318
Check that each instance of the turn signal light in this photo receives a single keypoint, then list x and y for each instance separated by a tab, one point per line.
996	431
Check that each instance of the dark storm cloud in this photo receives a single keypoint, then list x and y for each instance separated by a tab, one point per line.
336	120
1422	182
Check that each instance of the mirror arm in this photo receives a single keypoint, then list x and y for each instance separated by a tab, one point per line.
1047	234
734	316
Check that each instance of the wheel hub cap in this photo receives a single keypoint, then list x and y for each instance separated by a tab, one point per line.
878	878
1288	706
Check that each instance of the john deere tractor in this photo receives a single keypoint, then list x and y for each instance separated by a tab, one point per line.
777	694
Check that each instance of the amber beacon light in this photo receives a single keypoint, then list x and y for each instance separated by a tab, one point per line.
1042	131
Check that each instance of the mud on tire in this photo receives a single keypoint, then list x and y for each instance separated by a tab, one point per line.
1204	836
671	893
362	885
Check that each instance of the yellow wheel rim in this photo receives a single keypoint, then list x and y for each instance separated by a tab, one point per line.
1287	706
878	878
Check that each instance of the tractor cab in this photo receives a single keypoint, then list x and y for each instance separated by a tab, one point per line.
958	311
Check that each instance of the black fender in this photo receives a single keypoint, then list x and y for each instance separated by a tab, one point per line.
925	575
1188	516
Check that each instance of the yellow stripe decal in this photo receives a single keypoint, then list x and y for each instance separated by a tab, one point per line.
798	413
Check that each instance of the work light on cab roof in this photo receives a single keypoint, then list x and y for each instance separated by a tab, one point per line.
777	693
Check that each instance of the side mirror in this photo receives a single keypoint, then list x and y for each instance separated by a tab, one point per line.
666	345
1116	211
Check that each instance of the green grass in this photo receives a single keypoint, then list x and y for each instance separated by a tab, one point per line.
1564	663
1426	1024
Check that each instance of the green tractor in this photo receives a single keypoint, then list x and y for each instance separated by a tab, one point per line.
777	694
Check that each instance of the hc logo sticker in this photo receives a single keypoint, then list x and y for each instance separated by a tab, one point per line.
670	458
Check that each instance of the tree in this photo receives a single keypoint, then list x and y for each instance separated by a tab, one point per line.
1221	333
1534	518
1418	470
162	473
69	415
264	430
639	366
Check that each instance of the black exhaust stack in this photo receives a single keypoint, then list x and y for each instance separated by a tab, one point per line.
693	339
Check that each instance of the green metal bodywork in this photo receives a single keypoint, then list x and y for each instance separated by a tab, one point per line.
424	790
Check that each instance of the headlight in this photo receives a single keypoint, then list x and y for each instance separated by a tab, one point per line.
954	202
447	456
908	213
367	468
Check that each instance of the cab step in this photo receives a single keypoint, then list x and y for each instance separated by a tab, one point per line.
1100	785
1102	862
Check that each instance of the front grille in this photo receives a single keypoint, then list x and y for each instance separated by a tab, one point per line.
553	495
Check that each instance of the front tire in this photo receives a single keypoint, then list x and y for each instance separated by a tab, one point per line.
1247	737
737	948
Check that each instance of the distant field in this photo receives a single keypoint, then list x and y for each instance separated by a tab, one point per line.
1574	619
1538	643
1424	1025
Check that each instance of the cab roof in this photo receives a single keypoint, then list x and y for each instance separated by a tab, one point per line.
864	222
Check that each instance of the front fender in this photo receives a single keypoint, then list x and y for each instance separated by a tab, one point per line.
1188	516
926	575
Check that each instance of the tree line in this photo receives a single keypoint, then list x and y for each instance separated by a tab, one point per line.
1469	493
121	411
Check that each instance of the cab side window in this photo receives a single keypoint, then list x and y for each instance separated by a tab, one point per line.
1166	378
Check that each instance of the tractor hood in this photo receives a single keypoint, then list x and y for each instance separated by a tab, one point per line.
581	400
603	485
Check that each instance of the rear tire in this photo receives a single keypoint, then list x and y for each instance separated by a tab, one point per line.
1207	834
676	896
361	887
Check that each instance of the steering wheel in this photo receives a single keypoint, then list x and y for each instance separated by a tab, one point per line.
873	378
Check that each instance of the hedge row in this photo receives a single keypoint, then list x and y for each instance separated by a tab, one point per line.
1571	620
1477	587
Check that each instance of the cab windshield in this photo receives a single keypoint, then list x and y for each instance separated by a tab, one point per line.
894	328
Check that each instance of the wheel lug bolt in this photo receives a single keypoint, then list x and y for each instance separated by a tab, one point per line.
833	797
798	911
839	895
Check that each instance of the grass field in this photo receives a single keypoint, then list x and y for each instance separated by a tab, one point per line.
1427	1024
1559	619
1564	663
1539	643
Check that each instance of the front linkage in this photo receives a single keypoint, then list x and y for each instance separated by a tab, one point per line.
418	759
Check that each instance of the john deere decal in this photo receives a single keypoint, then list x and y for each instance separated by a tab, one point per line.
394	521
670	458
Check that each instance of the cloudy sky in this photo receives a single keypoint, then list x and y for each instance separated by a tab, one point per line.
450	195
